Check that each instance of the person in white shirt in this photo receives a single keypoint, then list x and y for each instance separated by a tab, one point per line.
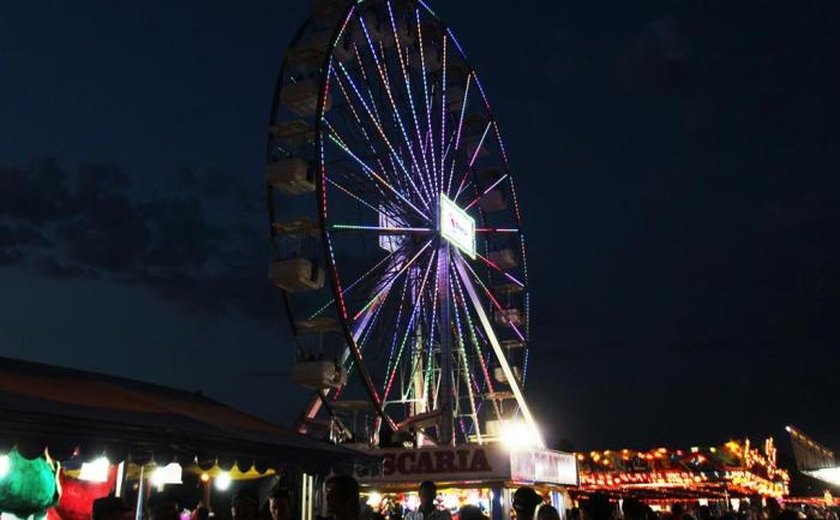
428	510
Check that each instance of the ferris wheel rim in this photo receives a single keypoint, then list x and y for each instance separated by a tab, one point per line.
333	270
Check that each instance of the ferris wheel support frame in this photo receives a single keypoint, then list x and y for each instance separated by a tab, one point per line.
447	425
497	349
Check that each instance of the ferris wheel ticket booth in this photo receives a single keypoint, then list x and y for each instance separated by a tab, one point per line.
481	475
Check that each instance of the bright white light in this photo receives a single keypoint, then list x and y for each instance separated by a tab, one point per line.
450	501
412	502
5	465
517	435
374	499
830	475
96	471
169	474
223	481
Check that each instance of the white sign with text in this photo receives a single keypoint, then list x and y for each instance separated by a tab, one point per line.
456	226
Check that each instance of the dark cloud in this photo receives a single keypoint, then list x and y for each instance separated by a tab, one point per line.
35	194
108	233
8	258
20	236
241	287
52	268
183	238
206	183
179	243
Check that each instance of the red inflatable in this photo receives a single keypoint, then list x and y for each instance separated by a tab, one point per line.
77	496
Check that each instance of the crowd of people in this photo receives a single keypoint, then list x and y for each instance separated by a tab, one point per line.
343	501
600	507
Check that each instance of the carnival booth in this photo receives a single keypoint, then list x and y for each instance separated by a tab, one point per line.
68	437
481	475
726	477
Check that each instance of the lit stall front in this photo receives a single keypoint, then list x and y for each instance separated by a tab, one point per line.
481	475
728	474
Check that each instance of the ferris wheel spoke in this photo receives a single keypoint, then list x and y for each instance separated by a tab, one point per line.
350	173
374	175
494	342
360	127
458	134
429	189
407	140
382	134
354	196
350	287
398	274
409	328
472	160
393	333
406	78
497	230
441	175
465	366
381	229
486	191
382	288
360	62
474	332
386	323
494	301
501	271
426	99
395	111
363	326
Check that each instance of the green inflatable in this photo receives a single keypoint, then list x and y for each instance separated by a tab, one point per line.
27	487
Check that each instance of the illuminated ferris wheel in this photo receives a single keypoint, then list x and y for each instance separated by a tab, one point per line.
396	230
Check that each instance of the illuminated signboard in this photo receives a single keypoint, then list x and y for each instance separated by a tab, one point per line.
456	226
487	463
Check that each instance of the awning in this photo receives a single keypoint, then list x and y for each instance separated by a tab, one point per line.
44	406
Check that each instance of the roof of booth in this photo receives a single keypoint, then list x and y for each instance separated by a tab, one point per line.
60	408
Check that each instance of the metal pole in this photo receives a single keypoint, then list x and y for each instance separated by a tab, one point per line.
446	437
496	499
118	492
141	495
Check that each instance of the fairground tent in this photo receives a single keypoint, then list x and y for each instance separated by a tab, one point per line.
67	411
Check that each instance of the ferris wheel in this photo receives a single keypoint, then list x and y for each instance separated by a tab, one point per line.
396	230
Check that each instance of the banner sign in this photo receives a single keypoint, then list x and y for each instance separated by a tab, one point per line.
551	467
473	464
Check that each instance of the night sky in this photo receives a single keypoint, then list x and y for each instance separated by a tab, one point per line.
677	163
